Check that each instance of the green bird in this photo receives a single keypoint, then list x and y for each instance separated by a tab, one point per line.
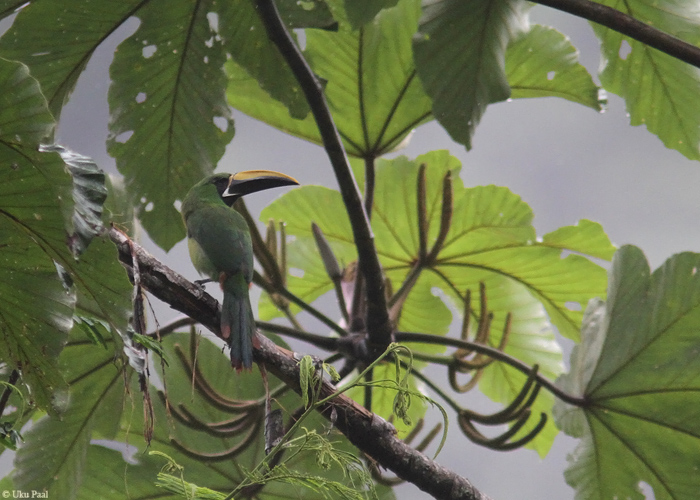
220	247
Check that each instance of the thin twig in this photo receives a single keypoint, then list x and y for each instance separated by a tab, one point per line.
14	377
325	343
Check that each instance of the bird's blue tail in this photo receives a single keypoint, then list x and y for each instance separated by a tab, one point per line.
238	322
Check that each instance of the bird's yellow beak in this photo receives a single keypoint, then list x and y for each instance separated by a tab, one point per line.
250	181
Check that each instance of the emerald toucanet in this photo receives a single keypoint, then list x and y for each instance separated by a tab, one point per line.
220	248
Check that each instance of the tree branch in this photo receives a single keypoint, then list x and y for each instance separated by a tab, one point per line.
379	327
371	434
629	26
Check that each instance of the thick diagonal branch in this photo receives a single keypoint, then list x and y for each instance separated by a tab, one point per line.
378	324
629	26
370	433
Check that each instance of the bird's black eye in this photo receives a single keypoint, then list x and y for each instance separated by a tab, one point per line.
221	184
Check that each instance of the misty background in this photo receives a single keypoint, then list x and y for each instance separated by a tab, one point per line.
565	160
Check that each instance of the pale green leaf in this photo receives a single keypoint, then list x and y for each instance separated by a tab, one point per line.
371	85
491	240
659	90
541	62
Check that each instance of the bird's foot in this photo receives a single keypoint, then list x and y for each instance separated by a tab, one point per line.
201	283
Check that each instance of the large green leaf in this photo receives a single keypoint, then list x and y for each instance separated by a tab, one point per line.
170	122
37	308
490	236
246	40
371	84
51	209
56	39
108	472
459	51
541	62
360	12
53	457
659	90
638	371
491	240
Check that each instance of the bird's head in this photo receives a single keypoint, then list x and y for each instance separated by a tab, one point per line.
232	187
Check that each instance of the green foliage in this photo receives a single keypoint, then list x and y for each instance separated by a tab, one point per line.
541	62
459	51
54	456
51	210
386	67
637	371
491	240
162	107
371	68
658	89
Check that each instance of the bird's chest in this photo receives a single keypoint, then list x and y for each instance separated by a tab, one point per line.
223	254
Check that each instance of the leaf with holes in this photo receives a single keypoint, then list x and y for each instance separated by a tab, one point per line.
541	62
56	39
659	90
638	371
170	121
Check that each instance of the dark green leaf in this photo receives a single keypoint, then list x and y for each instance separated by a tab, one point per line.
360	12
459	52
54	454
638	370
37	308
56	39
89	194
170	122
220	475
306	14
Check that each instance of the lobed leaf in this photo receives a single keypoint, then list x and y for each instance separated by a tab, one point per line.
541	62
490	240
371	85
659	90
637	370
